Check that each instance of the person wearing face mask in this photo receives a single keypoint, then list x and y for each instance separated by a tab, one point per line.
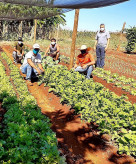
18	52
101	45
84	62
32	64
53	50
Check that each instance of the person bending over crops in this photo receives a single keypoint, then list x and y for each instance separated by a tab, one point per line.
32	64
53	50
84	62
101	45
18	52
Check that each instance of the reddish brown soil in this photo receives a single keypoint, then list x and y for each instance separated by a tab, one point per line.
131	58
78	141
118	91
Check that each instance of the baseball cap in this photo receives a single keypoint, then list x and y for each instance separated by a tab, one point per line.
83	47
36	46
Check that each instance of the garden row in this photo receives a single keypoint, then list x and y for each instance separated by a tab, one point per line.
127	84
26	136
113	114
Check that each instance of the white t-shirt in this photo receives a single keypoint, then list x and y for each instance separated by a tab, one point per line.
35	59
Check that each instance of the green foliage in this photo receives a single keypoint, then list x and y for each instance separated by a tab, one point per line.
95	103
26	136
25	12
127	84
131	37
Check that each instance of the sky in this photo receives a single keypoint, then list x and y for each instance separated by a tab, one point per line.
112	16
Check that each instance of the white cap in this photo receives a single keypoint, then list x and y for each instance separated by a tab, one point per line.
36	46
83	47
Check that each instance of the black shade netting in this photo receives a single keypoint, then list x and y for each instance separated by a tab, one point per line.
40	9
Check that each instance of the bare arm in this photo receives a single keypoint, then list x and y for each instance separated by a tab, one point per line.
33	65
40	67
47	51
22	52
108	41
95	45
58	49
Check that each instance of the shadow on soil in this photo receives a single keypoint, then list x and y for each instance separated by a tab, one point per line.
81	137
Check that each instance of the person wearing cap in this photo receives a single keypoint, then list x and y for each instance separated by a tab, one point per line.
53	50
18	52
101	45
84	62
32	63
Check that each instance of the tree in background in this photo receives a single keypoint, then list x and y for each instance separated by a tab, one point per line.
11	16
49	25
131	37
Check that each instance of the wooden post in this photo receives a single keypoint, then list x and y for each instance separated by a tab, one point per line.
118	48
74	38
35	29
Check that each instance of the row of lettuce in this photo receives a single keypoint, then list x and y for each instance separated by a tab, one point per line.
127	84
114	115
25	136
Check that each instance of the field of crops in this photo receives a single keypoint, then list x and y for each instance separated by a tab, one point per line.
25	133
92	101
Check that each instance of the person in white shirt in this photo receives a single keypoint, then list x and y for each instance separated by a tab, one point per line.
32	63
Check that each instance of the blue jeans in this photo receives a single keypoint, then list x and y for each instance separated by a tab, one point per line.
100	53
88	70
28	70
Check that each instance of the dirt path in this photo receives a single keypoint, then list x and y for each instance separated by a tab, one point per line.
117	90
78	141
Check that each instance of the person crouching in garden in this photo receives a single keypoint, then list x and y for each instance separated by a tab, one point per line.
32	64
84	62
18	52
53	50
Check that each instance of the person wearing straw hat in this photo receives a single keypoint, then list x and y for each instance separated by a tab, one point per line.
18	52
84	62
32	64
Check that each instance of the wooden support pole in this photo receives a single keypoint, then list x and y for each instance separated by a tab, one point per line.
118	48
35	29
74	35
